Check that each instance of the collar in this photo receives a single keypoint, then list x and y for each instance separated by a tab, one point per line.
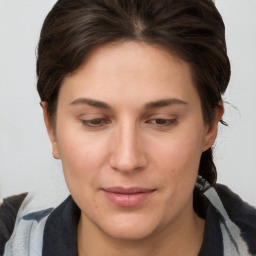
60	233
60	230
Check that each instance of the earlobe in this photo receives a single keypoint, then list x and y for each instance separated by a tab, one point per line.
212	129
50	131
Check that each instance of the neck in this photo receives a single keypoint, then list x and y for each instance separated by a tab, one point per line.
179	239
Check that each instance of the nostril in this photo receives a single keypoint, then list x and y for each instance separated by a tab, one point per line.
128	164
127	153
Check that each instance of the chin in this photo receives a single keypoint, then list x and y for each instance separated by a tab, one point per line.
132	228
130	233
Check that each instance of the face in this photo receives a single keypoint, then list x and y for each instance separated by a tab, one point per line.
130	133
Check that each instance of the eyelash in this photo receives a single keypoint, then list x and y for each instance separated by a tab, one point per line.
98	122
167	122
101	122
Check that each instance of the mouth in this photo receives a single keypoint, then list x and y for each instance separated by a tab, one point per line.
128	197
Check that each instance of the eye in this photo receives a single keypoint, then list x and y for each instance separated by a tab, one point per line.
96	122
162	122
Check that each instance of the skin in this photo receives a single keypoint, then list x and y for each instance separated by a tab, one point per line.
130	116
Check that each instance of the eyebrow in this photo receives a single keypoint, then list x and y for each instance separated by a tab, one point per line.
165	103
90	102
150	105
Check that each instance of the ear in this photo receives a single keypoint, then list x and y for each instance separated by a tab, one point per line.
212	129
50	130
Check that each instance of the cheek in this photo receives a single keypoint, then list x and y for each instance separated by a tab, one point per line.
182	148
180	155
81	155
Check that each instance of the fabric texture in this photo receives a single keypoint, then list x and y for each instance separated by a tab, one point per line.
8	213
230	228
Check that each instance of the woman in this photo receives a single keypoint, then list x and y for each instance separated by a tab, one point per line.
131	96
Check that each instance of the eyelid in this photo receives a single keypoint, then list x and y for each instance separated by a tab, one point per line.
162	115
103	123
169	121
90	115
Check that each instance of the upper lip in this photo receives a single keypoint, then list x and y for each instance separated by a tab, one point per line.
131	190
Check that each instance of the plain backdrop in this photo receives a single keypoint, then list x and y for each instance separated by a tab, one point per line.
26	162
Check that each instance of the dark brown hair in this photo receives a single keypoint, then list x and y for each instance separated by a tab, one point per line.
191	29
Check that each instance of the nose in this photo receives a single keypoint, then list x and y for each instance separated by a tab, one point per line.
128	153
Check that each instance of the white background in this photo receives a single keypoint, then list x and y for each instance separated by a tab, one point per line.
26	163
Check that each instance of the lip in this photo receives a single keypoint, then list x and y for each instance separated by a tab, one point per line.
127	197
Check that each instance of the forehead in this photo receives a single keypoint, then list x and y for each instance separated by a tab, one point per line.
133	70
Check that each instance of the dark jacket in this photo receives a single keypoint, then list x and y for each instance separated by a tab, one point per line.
230	226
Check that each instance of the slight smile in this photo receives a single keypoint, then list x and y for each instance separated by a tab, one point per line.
128	197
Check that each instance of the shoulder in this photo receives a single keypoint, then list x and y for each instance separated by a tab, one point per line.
8	213
235	206
241	213
26	226
238	218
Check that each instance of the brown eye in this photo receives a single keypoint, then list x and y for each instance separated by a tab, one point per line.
96	122
163	122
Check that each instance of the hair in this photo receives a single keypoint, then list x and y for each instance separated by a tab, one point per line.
193	30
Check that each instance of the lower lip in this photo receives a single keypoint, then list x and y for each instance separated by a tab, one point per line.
128	200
